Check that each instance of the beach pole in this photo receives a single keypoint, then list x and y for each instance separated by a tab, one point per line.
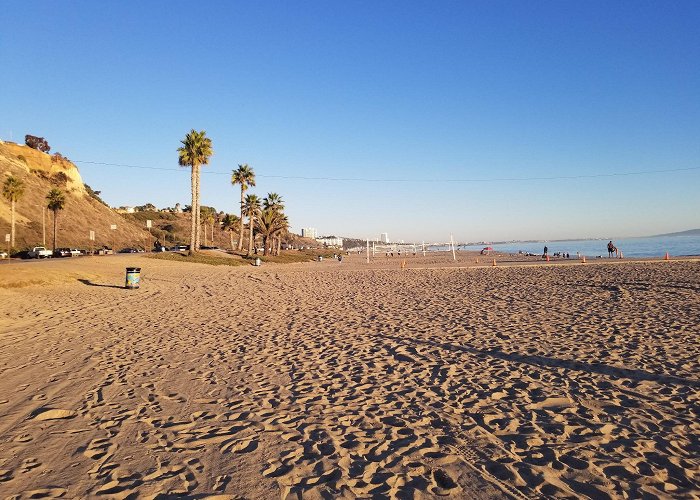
666	257
452	244
367	250
43	225
373	249
423	244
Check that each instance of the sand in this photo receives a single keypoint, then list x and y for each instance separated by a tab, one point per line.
343	380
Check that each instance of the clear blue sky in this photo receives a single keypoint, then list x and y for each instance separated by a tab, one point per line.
424	93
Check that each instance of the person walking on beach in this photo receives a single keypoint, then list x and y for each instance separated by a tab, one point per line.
611	249
545	251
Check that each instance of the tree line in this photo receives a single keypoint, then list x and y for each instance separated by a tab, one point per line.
264	216
13	190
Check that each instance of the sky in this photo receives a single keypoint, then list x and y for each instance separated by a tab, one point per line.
491	120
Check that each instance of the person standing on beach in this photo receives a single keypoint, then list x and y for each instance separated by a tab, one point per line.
611	249
545	251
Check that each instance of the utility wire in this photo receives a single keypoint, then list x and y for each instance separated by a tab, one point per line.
369	179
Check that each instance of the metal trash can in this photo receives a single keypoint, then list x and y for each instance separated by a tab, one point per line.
320	258
340	258
257	261
133	277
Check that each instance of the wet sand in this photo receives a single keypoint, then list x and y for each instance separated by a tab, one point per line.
328	379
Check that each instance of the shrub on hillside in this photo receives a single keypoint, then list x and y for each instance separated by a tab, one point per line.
59	179
148	207
56	157
37	143
94	194
42	174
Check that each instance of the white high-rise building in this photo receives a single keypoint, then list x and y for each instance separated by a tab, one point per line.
384	238
308	232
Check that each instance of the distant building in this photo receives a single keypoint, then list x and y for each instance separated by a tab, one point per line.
384	238
308	232
331	241
124	210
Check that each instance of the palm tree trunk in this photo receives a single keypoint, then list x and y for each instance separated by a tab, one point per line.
264	245
198	236
55	213
12	240
250	237
240	239
279	244
192	211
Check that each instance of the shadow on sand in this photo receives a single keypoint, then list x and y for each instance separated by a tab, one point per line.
570	364
90	283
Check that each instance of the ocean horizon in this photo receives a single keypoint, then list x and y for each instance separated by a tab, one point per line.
651	246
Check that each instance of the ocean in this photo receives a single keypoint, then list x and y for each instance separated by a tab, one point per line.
631	247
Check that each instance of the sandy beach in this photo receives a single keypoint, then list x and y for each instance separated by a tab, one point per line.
348	380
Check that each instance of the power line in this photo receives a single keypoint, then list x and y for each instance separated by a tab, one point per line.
395	180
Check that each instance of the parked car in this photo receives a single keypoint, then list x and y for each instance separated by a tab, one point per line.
62	252
3	255
105	251
74	252
39	253
128	250
180	248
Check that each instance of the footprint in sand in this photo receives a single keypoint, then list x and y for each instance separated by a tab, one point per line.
97	448
221	482
29	464
443	484
53	414
46	493
240	446
276	469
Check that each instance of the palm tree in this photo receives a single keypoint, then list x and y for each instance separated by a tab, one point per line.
208	218
274	202
270	222
12	190
195	151
231	225
245	176
252	208
55	202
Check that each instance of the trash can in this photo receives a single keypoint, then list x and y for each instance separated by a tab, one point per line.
340	258
133	277
320	258
258	261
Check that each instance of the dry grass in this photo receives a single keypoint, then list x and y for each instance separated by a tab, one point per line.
199	258
287	257
291	256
